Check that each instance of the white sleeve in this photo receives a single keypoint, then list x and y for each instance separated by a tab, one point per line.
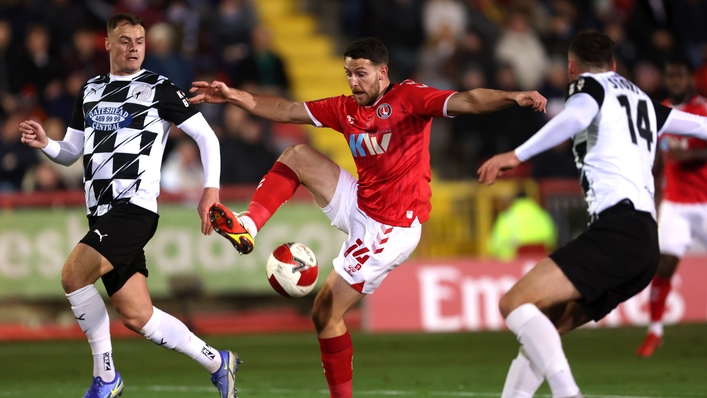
683	123
66	151
580	110
198	128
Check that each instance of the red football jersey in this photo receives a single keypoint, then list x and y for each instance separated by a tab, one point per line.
685	182
390	145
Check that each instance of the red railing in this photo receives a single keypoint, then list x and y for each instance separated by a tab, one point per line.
230	193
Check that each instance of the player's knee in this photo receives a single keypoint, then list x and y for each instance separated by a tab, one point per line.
69	280
320	318
507	304
134	322
292	153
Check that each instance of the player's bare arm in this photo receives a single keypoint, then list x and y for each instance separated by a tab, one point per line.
33	134
209	197
494	167
484	100
687	155
276	109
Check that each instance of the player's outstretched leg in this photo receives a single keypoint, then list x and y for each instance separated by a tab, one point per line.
103	389
231	227
660	287
225	377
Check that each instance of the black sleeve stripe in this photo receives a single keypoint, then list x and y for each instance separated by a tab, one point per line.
587	85
661	114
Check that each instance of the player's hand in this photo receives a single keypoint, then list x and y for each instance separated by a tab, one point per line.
213	93
494	167
209	197
33	134
532	98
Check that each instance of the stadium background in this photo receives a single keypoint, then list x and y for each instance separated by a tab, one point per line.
48	48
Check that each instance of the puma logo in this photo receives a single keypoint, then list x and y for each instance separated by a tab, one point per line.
100	236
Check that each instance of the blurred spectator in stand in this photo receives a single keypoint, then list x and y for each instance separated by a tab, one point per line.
83	54
690	28
520	47
557	162
230	28
647	76
36	66
475	51
436	63
262	71
104	9
162	58
246	155
480	23
353	18
648	27
62	17
522	225
43	178
16	159
71	176
563	24
186	21
478	137
440	13
624	51
399	25
182	172
7	101
468	141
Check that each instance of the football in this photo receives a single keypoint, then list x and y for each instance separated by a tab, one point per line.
292	269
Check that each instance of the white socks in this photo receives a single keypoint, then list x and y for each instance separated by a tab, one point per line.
541	341
169	332
249	225
92	316
523	378
656	328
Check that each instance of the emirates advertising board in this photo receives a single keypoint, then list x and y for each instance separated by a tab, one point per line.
463	294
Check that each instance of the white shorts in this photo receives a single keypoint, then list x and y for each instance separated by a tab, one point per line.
373	249
679	224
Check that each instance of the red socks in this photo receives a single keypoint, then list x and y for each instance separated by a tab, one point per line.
660	287
337	360
273	191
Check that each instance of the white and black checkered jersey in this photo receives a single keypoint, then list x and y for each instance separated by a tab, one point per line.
125	121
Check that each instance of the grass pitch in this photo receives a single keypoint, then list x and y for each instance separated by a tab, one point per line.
408	365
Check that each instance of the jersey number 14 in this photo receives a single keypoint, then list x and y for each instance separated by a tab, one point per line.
643	124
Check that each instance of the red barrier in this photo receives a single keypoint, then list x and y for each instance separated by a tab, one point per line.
463	294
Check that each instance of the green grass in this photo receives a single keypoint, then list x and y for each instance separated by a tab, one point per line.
409	365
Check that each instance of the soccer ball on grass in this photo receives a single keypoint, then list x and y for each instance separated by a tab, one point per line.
292	269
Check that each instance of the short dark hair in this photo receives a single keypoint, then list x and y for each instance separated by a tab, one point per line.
122	18
369	48
593	48
679	60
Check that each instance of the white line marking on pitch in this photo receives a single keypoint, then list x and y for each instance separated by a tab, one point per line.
364	392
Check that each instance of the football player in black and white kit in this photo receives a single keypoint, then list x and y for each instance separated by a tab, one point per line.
119	125
614	127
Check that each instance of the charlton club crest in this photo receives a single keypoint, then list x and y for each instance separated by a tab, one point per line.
384	111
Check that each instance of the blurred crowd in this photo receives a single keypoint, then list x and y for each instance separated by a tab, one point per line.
49	48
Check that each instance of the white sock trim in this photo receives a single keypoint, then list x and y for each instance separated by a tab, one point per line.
80	296
249	225
520	316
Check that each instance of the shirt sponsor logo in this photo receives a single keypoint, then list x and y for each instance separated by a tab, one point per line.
384	111
369	144
108	119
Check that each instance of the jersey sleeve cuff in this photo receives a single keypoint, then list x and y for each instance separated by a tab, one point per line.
52	149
